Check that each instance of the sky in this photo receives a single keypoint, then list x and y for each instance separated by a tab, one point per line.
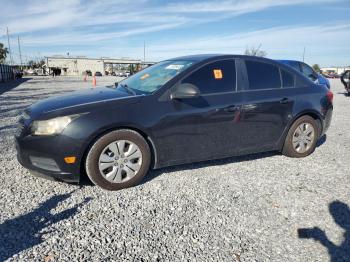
119	28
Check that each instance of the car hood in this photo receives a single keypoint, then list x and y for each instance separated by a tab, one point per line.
77	98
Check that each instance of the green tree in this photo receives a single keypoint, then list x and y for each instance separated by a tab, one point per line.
317	68
35	64
31	63
3	53
255	51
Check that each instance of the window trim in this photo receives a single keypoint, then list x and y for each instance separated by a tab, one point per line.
234	90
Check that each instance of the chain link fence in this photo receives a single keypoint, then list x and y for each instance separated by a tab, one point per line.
6	73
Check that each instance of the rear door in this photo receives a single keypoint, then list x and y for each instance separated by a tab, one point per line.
267	107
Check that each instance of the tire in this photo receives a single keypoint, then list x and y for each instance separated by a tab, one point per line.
289	147
101	151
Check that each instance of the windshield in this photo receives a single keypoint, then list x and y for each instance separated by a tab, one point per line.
154	77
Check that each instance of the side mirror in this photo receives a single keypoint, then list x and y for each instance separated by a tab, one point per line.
183	91
116	84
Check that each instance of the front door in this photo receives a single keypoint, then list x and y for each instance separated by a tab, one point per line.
205	127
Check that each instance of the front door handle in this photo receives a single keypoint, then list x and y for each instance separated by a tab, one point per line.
285	100
231	109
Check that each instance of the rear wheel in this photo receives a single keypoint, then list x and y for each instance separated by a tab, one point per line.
302	137
118	160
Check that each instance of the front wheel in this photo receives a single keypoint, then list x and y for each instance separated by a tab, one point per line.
118	160
302	138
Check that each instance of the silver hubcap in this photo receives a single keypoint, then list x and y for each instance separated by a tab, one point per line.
120	161
303	137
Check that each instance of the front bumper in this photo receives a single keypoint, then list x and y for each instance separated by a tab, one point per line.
44	157
49	175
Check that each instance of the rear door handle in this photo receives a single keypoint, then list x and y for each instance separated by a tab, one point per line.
285	100
231	109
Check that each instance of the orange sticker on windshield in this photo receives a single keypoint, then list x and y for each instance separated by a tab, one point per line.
217	73
144	76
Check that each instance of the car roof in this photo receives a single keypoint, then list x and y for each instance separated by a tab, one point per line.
288	60
204	57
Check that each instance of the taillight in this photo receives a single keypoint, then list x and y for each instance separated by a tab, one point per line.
330	97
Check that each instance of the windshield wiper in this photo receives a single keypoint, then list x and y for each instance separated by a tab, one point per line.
128	89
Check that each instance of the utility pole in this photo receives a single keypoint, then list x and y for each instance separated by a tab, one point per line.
304	55
144	52
20	53
8	42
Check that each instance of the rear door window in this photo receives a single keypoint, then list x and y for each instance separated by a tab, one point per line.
262	75
216	77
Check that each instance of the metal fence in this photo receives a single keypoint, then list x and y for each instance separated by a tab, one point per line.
6	73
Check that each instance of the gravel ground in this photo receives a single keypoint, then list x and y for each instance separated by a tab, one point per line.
239	209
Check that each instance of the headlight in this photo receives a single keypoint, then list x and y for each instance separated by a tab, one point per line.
52	126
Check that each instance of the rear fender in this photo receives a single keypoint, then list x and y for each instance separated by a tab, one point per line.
313	113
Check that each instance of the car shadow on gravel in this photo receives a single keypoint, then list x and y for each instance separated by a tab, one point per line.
7	86
341	216
344	93
85	181
157	172
25	231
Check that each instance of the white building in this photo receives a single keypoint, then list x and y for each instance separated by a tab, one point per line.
76	66
334	70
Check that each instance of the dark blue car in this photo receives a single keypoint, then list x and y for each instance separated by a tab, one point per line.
181	110
307	71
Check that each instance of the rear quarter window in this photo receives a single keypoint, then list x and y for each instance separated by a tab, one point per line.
288	79
294	65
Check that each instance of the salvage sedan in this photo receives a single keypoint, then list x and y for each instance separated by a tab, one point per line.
178	111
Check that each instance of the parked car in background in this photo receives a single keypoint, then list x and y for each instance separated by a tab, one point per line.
98	73
17	73
308	71
333	76
114	74
124	74
30	72
345	79
88	73
182	110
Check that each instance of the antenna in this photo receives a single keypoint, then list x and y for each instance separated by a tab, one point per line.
20	53
304	54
